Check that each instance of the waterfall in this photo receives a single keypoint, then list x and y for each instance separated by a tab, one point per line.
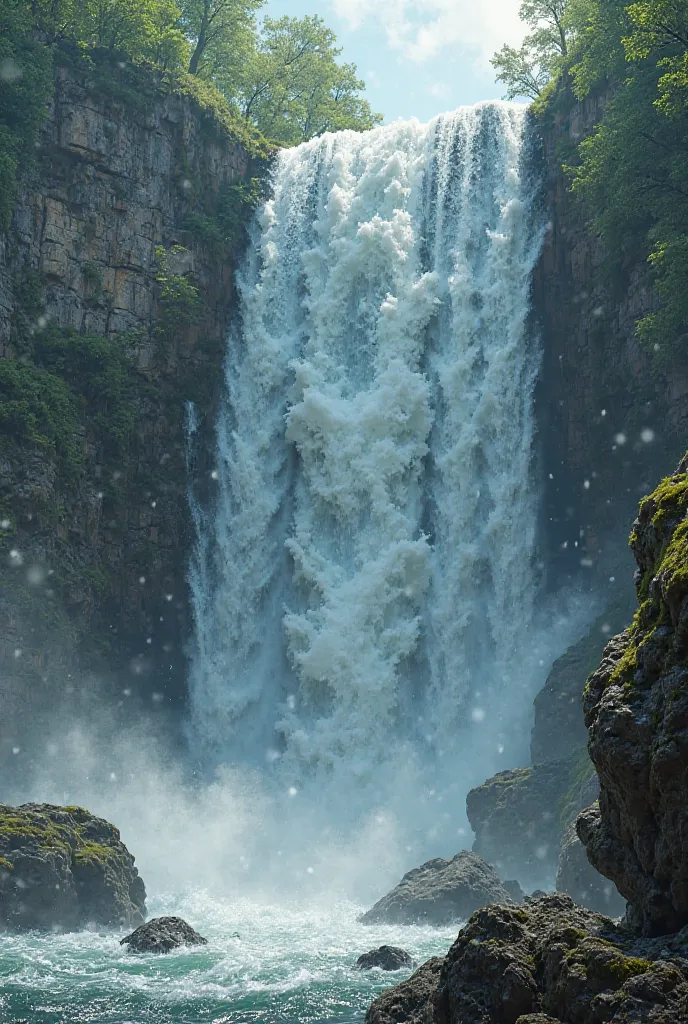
368	584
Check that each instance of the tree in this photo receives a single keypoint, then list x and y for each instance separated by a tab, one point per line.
525	71
661	27
221	32
292	86
633	172
521	71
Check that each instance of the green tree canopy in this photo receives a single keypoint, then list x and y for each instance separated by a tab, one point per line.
291	86
526	70
632	171
221	32
284	76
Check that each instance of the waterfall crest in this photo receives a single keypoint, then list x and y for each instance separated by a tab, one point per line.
366	580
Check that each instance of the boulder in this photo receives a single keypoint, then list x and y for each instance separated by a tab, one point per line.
519	815
62	868
412	1001
636	712
161	935
546	962
387	958
577	877
440	892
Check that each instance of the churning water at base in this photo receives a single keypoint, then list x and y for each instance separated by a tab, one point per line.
271	964
364	588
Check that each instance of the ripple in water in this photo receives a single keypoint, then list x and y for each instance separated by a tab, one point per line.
265	963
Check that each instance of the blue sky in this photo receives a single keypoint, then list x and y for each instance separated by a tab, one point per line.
418	57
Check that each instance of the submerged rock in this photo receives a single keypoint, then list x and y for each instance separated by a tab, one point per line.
62	868
387	958
636	712
547	962
161	935
440	892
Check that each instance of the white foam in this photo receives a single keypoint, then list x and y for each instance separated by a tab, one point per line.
366	583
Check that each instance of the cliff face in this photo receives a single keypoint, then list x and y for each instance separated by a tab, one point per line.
116	290
611	413
636	712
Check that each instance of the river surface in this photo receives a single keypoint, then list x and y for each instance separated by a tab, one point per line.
265	963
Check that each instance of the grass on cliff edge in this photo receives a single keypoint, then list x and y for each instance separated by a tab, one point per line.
20	828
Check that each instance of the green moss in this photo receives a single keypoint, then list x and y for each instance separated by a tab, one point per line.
38	407
88	852
674	565
624	967
670	499
604	964
18	827
217	114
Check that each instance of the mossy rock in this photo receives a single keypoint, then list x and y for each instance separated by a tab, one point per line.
62	868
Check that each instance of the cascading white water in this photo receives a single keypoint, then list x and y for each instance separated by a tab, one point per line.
366	583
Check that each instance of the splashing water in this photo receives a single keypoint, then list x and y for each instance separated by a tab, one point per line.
370	584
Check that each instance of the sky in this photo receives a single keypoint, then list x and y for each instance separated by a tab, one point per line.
418	57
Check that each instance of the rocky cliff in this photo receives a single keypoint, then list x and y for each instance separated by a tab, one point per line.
116	291
636	711
550	961
611	413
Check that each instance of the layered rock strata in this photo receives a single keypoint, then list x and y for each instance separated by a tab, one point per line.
116	291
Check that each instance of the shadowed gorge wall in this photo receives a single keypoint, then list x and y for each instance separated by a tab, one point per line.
612	414
116	289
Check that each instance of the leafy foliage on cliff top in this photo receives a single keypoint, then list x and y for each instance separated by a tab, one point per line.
631	172
282	78
25	87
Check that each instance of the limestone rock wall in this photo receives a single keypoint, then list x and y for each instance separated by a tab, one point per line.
93	570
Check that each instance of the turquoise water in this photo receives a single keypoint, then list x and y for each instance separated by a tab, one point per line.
273	963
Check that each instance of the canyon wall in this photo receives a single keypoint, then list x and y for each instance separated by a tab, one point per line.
613	415
116	290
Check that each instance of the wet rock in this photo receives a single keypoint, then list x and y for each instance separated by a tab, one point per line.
577	877
636	712
558	726
387	958
440	892
514	889
537	1018
516	817
161	935
412	1001
547	962
62	868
